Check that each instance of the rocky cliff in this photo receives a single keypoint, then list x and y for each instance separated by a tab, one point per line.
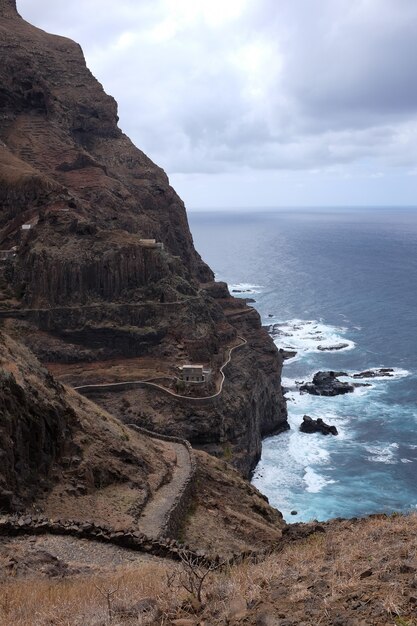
53	441
79	285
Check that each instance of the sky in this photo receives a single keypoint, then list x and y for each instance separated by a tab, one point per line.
259	103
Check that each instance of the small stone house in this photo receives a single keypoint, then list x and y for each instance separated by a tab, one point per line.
151	243
7	254
194	373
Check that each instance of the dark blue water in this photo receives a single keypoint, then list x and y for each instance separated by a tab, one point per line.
347	276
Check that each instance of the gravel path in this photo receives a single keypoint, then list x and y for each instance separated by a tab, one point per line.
153	518
56	555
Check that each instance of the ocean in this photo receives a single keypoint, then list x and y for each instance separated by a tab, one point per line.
326	277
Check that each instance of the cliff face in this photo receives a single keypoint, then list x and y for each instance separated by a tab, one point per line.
79	284
232	424
52	439
33	428
67	166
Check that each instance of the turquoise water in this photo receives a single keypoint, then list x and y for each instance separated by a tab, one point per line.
329	277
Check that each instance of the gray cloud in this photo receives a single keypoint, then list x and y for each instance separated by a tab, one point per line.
214	86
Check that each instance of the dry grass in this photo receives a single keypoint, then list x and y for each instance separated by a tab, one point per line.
80	601
363	572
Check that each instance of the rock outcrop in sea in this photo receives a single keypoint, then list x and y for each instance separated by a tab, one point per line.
310	425
327	384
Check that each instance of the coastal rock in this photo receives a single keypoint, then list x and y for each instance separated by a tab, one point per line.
384	372
287	354
310	425
336	346
327	384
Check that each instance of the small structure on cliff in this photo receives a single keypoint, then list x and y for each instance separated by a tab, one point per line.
151	243
8	254
194	373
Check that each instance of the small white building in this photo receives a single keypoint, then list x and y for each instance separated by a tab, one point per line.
151	243
194	373
7	254
26	226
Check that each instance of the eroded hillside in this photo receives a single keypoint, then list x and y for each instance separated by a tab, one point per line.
98	263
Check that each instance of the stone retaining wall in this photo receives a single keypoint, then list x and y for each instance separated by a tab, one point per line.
13	525
178	510
92	390
131	539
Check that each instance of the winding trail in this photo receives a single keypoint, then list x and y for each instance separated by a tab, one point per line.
165	510
159	513
164	513
154	518
149	382
22	312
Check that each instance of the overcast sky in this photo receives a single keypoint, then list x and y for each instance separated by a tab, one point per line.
259	103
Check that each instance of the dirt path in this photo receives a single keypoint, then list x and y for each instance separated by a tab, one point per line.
59	555
154	517
142	383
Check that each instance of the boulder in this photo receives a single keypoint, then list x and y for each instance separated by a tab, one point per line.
386	372
287	354
327	384
336	346
309	425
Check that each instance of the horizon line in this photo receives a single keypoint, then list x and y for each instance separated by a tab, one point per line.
302	207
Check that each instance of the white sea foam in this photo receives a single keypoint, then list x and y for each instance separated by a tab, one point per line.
307	449
381	453
306	336
244	289
306	400
296	466
314	481
397	372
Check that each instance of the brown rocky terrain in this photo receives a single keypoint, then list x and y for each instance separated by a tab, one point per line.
98	305
80	287
61	453
64	458
342	573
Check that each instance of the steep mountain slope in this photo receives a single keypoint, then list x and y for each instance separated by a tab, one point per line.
64	458
79	282
51	437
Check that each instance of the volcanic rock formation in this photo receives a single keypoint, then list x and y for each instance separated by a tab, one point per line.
81	285
65	459
327	384
51	436
310	425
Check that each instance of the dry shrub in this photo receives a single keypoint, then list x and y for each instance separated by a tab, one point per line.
77	601
327	572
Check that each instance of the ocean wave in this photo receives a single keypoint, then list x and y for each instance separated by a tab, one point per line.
306	336
244	289
315	406
395	374
314	481
382	453
296	398
306	449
